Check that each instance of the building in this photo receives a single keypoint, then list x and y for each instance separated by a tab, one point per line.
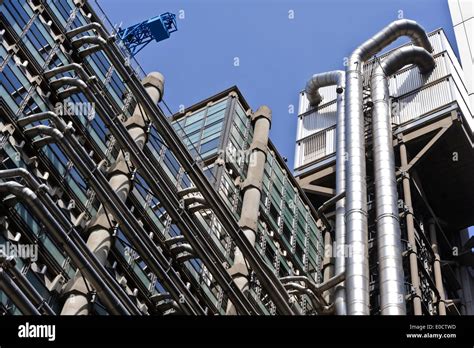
462	16
109	209
429	124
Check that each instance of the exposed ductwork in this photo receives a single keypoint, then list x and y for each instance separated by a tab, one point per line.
252	191
72	245
357	265
326	79
391	276
335	78
8	264
268	280
18	297
101	228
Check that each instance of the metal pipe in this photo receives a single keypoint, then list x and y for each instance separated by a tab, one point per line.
316	82
338	199
16	295
125	141
320	304
100	228
77	251
414	275
437	268
251	189
267	278
128	223
357	266
65	241
24	284
391	276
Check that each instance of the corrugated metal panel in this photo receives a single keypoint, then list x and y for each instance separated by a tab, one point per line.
318	143
331	141
328	93
411	79
317	146
314	147
419	103
316	121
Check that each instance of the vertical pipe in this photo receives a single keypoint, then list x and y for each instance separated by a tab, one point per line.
357	266
437	268
415	278
392	280
252	187
340	234
100	228
317	81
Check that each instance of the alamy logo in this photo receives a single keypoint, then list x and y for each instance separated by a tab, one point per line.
23	251
37	331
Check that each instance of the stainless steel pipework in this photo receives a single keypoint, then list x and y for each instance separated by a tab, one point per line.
357	265
391	276
317	81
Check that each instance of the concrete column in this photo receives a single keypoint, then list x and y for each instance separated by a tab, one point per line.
415	278
251	189
100	227
437	268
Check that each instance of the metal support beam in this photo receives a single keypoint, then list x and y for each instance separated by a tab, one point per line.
318	190
267	278
16	295
427	147
437	268
415	278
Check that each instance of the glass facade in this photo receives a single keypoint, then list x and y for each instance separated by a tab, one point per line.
288	238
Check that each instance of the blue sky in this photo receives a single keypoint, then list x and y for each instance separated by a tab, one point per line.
276	54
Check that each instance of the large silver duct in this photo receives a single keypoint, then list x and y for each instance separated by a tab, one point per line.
335	78
391	276
357	265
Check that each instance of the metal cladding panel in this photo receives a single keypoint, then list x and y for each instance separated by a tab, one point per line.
318	120
408	80
414	96
421	102
316	146
329	95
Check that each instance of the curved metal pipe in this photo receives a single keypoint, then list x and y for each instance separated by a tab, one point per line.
84	256
336	78
391	277
31	199
267	278
317	81
122	132
357	265
113	203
